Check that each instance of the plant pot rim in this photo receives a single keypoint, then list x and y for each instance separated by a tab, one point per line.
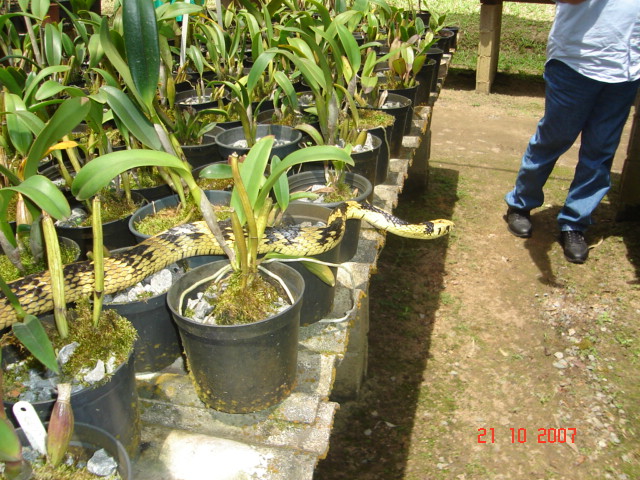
229	328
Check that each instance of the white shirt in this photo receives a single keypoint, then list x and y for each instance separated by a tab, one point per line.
598	38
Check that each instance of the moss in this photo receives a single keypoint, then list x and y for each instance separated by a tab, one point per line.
78	456
9	271
370	118
341	192
215	183
114	337
114	207
146	178
170	217
94	346
234	307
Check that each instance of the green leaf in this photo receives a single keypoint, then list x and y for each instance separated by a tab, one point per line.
33	336
116	60
12	79
219	171
45	194
142	47
97	174
68	115
10	447
19	134
52	44
133	119
323	272
40	8
49	89
167	11
258	68
252	171
96	52
34	82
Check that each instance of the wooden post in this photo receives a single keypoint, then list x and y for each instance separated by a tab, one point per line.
489	44
629	203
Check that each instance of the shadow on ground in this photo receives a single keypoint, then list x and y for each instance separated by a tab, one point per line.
371	435
504	83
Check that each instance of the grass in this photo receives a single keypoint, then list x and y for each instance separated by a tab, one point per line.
525	28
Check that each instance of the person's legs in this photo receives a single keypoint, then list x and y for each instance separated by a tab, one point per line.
600	140
568	103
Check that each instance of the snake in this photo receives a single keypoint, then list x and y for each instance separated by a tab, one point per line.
127	267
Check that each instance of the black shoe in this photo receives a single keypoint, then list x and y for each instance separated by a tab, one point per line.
519	222
575	247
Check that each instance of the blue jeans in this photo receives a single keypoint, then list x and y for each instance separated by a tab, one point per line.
574	105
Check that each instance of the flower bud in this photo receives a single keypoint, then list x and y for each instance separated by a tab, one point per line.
60	425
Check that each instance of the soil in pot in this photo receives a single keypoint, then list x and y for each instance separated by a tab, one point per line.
234	141
379	123
93	453
359	187
145	305
204	152
399	107
168	212
96	361
116	211
69	250
239	368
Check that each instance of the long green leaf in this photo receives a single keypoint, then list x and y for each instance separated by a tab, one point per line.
97	174
20	135
132	118
52	44
45	194
40	8
258	69
167	11
68	115
33	83
116	60
142	47
252	171
318	153
34	337
9	78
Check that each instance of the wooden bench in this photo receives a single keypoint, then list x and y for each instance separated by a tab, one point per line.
489	41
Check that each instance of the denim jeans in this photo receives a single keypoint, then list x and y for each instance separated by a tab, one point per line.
574	105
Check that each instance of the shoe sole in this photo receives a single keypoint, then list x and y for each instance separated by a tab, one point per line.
519	235
577	261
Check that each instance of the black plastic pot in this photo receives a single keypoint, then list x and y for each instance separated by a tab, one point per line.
204	153
116	233
411	94
445	39
435	53
112	406
228	138
317	300
92	439
154	193
454	41
201	105
384	154
426	78
241	368
216	197
158	343
366	162
349	244
400	113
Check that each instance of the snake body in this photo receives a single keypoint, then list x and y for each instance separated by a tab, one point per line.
126	268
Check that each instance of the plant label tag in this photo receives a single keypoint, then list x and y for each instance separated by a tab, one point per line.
31	425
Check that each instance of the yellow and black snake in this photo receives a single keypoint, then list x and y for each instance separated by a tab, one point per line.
127	268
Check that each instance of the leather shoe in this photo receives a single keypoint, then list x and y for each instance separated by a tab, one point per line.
575	247
519	222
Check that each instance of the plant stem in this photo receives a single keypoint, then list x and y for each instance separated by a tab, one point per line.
56	272
98	260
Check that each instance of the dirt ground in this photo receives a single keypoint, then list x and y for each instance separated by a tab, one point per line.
482	345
